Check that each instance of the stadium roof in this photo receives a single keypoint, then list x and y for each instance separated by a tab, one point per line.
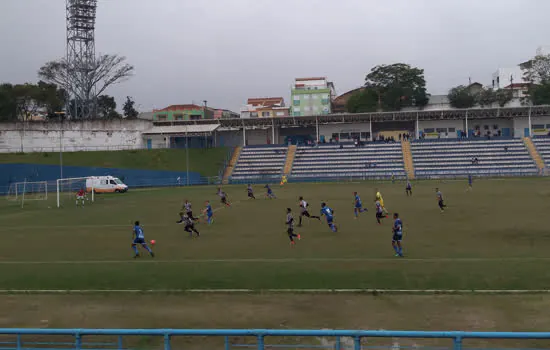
182	129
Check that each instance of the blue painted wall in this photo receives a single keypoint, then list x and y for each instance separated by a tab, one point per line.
10	173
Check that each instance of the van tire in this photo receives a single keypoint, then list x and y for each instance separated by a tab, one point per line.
117	191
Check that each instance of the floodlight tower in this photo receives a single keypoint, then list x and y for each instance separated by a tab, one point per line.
81	16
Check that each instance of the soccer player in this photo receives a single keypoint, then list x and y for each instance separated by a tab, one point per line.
379	212
250	192
378	198
189	224
397	235
223	197
304	212
139	238
290	227
470	182
329	214
439	195
269	194
80	196
209	213
189	210
358	205
408	189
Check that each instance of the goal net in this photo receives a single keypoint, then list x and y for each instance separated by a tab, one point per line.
69	187
28	191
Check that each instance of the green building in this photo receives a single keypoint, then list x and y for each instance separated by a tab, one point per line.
311	96
182	112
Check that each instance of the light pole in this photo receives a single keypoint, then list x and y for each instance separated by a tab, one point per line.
187	152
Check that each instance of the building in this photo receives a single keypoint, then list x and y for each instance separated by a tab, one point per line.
224	114
312	96
265	107
182	112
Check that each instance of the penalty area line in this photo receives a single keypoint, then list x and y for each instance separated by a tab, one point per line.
372	291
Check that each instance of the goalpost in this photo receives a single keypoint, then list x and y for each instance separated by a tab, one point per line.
67	189
28	191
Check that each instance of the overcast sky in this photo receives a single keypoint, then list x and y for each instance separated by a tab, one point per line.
225	51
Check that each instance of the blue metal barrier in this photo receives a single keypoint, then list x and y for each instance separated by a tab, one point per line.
354	339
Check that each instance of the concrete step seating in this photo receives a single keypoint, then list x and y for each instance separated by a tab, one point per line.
453	158
332	162
257	163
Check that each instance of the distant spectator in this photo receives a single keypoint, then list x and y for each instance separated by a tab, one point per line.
400	137
341	146
505	148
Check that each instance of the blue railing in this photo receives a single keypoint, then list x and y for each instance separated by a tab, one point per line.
25	339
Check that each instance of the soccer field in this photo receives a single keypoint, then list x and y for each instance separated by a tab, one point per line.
494	237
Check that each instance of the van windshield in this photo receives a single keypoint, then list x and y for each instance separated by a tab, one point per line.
118	182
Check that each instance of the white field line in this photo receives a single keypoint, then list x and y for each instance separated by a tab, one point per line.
266	260
12	228
280	291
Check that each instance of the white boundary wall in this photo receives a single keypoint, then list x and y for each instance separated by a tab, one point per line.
74	136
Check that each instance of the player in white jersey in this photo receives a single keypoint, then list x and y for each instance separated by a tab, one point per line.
304	212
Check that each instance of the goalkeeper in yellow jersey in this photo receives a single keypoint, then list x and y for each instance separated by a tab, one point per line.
378	198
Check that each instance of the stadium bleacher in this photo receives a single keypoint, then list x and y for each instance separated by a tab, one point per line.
373	160
260	163
456	158
543	147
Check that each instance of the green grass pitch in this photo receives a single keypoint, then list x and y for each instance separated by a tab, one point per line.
494	237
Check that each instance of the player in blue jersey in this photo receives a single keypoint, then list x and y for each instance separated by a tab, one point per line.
470	182
329	215
358	205
208	212
139	238
379	212
397	235
269	192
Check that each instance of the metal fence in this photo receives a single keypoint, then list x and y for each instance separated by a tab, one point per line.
139	183
168	339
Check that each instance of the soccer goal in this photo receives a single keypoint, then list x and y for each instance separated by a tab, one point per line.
28	191
68	188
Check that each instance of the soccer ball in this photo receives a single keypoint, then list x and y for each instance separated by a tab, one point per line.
153	242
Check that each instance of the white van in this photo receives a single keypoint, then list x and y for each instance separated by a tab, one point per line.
105	184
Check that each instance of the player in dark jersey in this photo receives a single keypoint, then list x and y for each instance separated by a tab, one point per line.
379	212
304	212
290	227
397	235
250	192
223	197
189	224
189	210
408	189
470	182
139	238
439	196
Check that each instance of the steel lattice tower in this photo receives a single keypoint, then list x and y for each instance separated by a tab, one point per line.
81	15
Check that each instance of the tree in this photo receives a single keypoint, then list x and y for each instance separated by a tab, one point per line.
28	100
105	71
461	97
537	70
503	96
539	94
8	103
398	85
106	106
362	101
129	111
51	98
486	97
